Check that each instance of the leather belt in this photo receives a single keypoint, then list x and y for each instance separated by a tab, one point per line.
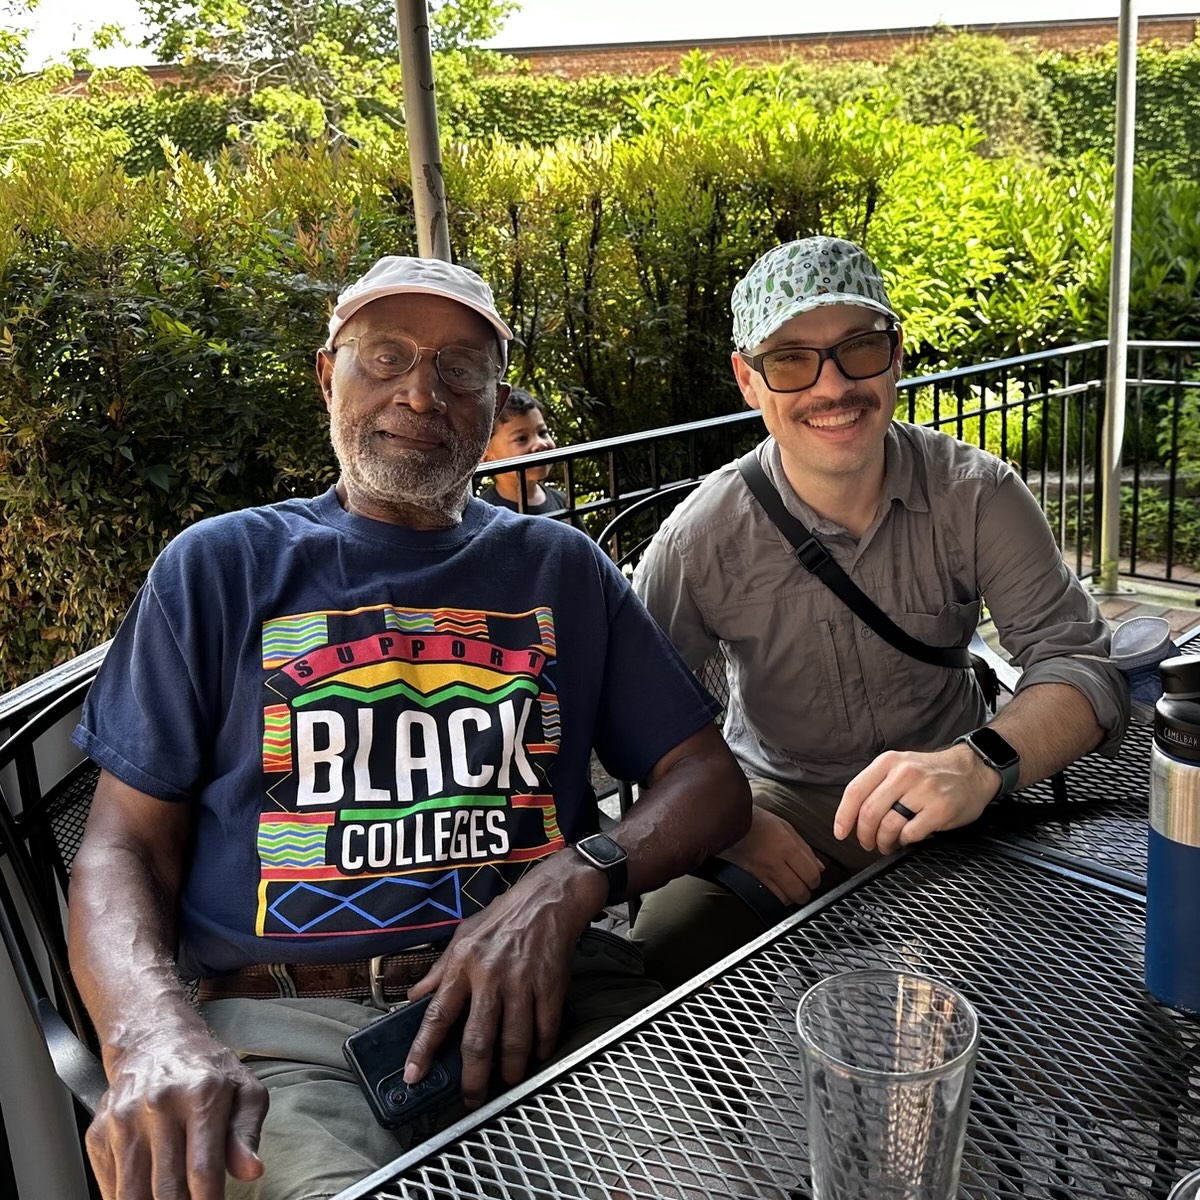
384	980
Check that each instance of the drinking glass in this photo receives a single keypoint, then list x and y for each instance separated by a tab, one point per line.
1188	1188
888	1057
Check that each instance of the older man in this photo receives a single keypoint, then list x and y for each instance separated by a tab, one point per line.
853	746
344	747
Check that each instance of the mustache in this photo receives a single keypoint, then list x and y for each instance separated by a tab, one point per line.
864	400
432	431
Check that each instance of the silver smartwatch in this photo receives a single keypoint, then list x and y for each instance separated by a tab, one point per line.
600	851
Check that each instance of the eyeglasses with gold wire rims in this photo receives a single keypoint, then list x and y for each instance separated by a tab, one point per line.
797	368
390	355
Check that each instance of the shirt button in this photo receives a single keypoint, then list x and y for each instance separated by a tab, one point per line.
866	632
954	608
881	699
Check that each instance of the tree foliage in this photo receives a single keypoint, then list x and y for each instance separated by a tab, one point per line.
264	34
304	68
159	308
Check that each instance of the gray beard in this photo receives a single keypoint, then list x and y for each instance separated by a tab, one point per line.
440	488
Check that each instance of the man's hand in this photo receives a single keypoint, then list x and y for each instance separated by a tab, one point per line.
776	855
944	789
509	964
180	1111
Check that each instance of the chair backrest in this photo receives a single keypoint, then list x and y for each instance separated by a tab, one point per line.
627	535
39	837
626	538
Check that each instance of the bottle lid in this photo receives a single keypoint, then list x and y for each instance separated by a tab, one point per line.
1141	636
1181	677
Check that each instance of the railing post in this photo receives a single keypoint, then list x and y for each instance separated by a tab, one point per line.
420	119
1113	435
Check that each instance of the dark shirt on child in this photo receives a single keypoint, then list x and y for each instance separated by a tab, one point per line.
555	501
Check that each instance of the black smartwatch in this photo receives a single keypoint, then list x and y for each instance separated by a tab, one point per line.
998	754
600	851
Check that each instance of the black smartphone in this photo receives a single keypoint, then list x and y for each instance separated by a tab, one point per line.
377	1054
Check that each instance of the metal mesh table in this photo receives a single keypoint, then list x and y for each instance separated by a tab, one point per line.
1102	824
1086	1087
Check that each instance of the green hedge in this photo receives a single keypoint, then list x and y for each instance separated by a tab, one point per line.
157	330
539	109
1043	105
196	121
157	352
1083	90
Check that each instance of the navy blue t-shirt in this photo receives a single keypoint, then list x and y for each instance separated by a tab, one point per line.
381	728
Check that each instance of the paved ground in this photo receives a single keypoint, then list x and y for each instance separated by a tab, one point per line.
1175	600
1182	609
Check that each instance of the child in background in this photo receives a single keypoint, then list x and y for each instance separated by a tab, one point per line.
521	429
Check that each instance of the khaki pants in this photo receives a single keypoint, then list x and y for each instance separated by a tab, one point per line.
690	924
319	1136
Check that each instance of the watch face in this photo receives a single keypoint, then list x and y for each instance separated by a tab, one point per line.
602	849
994	747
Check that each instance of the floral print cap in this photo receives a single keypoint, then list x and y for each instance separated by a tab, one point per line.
799	276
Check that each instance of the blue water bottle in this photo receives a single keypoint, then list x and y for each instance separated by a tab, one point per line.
1173	867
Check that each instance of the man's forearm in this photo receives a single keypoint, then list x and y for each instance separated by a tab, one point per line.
695	804
122	934
1049	725
695	807
180	1110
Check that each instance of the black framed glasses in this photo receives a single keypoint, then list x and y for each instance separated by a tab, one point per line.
797	368
385	356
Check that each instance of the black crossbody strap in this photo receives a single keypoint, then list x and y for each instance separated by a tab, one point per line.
813	557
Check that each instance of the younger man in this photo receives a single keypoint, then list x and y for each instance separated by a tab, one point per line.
521	429
852	747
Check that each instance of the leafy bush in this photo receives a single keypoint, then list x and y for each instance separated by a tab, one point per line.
1082	93
157	346
988	82
616	258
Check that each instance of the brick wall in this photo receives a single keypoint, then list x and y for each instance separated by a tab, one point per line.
632	58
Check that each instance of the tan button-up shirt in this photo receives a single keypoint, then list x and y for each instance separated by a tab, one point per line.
815	695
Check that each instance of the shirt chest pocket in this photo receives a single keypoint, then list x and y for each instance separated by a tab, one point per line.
917	683
952	625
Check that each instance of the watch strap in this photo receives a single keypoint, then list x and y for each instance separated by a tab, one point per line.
1010	772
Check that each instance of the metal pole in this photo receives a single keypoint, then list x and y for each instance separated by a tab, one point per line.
420	119
1113	433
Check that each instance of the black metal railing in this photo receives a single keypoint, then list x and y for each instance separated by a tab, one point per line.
1042	412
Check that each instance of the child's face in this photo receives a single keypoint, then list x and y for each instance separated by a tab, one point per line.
522	433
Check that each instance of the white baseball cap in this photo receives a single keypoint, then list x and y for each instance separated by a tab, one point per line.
396	275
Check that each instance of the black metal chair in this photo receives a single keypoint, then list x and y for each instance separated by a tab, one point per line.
640	521
38	842
626	538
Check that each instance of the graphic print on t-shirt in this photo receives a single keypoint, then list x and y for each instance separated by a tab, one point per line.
407	765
